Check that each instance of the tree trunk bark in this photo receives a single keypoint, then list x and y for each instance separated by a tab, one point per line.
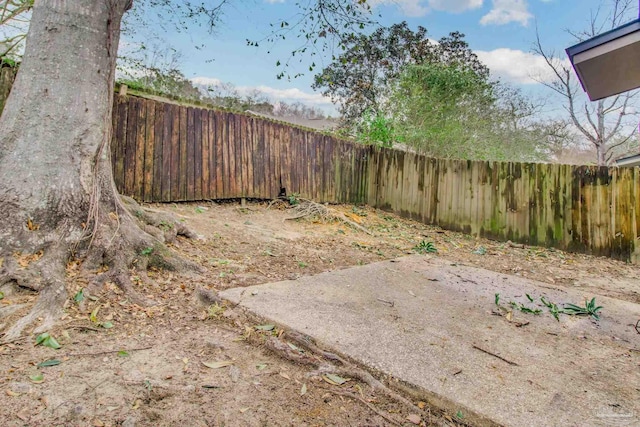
56	124
57	195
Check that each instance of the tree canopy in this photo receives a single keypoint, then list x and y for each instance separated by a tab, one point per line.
361	77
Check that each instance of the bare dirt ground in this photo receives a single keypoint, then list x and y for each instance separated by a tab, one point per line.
122	364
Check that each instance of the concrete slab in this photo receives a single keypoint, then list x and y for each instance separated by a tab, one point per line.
429	323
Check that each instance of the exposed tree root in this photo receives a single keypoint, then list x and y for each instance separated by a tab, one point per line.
371	407
324	363
124	241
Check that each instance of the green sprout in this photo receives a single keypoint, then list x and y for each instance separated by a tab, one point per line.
589	309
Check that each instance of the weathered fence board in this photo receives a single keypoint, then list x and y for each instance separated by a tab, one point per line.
166	152
7	76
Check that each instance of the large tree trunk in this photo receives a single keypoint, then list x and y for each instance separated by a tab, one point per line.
57	195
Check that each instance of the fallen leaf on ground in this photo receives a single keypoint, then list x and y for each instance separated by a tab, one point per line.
37	379
334	379
23	416
294	347
218	364
49	363
414	419
284	375
47	340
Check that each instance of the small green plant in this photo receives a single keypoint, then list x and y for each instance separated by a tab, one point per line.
215	311
553	308
590	309
425	247
360	212
525	309
146	251
294	199
302	264
517	306
165	226
200	209
8	61
480	250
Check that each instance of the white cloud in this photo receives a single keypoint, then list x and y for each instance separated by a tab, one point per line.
206	81
455	6
417	8
288	95
293	94
506	11
517	66
274	1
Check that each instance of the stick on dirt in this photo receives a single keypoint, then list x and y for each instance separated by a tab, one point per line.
100	353
496	356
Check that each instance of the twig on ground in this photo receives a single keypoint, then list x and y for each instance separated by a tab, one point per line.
88	390
307	208
100	353
84	328
495	355
515	245
368	405
638	326
273	202
390	303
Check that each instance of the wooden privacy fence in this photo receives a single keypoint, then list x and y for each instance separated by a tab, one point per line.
7	76
164	152
578	208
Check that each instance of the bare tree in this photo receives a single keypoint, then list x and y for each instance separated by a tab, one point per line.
603	122
14	23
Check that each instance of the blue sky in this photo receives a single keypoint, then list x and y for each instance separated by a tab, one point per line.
500	31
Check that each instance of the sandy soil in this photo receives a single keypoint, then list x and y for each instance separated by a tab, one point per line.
147	366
